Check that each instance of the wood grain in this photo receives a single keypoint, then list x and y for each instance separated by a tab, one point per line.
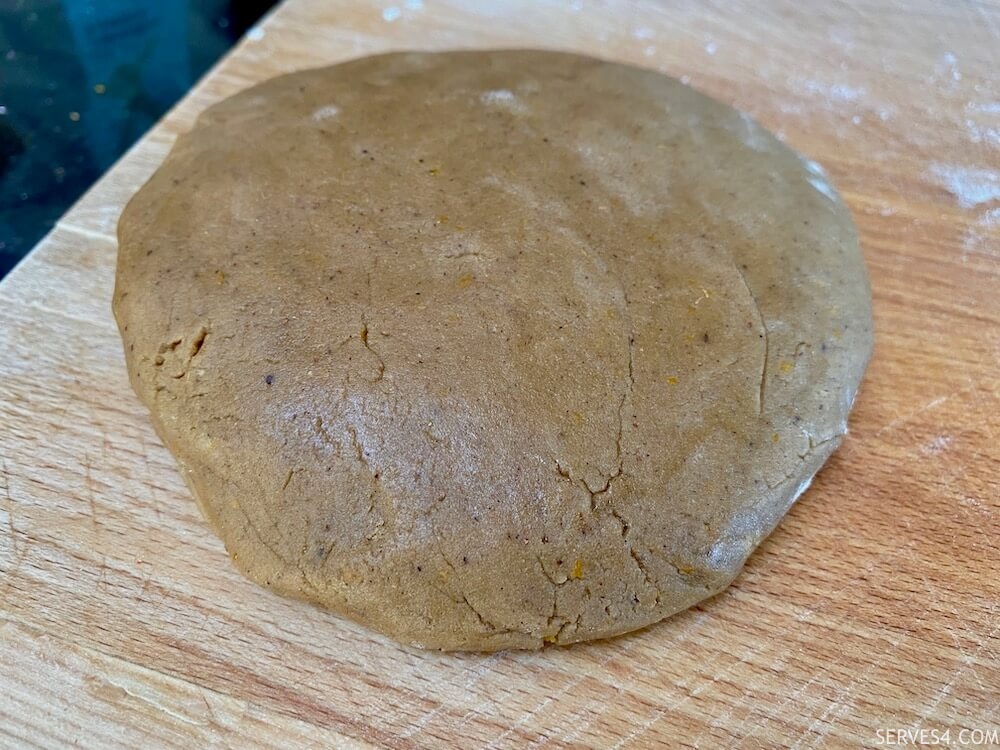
875	605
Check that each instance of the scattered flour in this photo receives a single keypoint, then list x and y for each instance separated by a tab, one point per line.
951	66
501	98
836	92
938	445
983	231
990	219
325	113
983	133
971	186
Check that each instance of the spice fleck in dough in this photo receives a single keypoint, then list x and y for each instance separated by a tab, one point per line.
488	350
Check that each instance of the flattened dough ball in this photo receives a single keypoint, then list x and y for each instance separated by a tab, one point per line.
491	349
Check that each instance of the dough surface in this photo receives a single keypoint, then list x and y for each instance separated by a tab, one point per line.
489	350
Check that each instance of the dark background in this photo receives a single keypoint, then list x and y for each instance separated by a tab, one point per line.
81	81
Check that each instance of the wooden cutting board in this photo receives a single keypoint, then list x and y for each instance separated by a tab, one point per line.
875	607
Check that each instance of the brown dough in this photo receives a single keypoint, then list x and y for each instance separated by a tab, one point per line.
491	349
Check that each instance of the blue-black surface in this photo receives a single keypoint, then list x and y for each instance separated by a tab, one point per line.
80	81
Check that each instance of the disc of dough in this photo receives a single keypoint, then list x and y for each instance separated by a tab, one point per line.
491	349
